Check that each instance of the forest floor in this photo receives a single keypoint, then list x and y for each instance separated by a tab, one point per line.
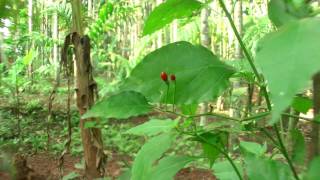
43	165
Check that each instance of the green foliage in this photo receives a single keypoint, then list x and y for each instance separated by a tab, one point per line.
299	152
169	166
313	170
169	11
254	148
212	144
224	171
276	57
284	11
302	104
120	106
266	169
153	127
199	73
71	176
148	154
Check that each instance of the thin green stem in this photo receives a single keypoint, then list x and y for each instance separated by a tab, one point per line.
285	153
167	94
247	54
174	96
223	151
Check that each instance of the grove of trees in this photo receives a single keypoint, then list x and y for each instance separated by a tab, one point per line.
160	89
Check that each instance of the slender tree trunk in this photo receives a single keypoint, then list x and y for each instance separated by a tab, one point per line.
314	134
159	36
238	19
30	8
55	36
174	31
85	88
205	41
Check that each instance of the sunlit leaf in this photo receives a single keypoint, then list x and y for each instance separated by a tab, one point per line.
169	11
288	59
148	154
169	166
200	76
153	127
122	105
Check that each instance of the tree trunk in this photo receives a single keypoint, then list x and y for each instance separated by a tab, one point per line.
30	34
238	19
85	88
206	42
55	36
314	134
159	36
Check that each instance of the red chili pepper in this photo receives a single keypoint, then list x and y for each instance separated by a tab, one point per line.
173	77
164	76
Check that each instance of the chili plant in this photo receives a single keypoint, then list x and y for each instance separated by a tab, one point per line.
199	76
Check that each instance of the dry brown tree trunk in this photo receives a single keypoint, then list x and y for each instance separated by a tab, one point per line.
85	92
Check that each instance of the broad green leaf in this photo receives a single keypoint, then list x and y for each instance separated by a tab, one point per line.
313	170
253	148
189	109
302	104
121	106
298	154
148	154
266	169
153	127
169	166
282	12
200	76
212	144
223	170
288	58
169	11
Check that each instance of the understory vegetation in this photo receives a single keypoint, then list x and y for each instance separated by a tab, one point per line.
160	89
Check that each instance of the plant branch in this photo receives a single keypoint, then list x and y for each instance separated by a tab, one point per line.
247	54
225	154
285	153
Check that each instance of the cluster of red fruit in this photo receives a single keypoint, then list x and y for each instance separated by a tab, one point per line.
164	77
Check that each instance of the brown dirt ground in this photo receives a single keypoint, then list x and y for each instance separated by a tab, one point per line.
45	167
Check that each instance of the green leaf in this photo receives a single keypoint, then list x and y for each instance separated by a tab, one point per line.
148	154
189	109
169	11
90	124
288	58
223	170
169	166
121	106
266	169
298	154
302	104
313	170
153	127
27	59
212	144
282	12
200	76
70	176
253	148
278	14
